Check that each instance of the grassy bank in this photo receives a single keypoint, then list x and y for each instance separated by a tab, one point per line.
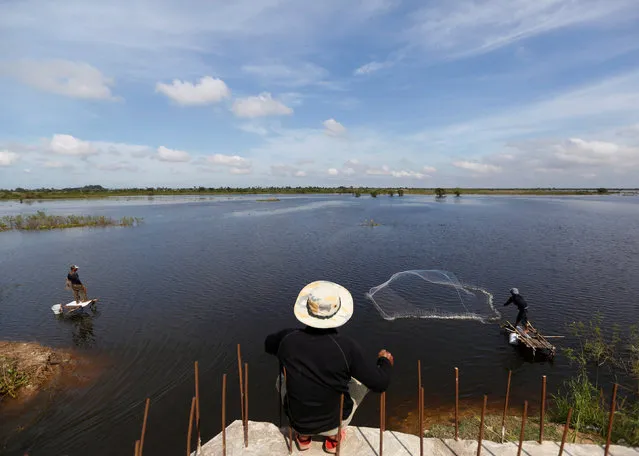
42	221
97	191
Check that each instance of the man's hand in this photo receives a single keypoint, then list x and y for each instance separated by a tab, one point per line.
386	354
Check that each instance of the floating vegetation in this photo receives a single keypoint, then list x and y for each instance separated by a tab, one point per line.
370	222
268	200
42	221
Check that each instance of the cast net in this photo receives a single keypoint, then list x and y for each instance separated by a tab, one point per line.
432	294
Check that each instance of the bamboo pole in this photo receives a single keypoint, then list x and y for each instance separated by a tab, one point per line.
542	412
523	426
224	415
613	405
136	450
197	406
190	433
481	425
382	421
239	370
420	407
246	405
146	414
503	418
565	434
456	403
421	428
339	429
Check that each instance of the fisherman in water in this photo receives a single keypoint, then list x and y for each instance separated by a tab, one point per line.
73	282
522	305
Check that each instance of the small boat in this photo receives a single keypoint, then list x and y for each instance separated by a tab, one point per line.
529	338
73	307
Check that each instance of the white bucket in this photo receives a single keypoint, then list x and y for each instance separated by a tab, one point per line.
512	339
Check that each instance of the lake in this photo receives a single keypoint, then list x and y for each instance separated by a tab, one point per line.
202	274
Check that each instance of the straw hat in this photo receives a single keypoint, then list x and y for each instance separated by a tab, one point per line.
323	304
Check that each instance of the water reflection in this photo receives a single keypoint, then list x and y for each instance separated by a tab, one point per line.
82	326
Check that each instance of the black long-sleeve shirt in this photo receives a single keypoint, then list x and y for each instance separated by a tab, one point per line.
319	365
519	301
74	278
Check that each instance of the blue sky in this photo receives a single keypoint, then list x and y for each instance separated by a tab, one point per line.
489	93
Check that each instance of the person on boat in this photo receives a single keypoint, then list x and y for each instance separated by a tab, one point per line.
318	365
73	282
522	305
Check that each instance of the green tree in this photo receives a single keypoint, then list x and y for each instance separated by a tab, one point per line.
457	192
440	192
358	194
374	193
400	192
602	190
391	193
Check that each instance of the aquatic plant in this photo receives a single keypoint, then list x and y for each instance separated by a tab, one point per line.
11	378
374	193
457	192
42	221
440	192
268	200
400	192
370	223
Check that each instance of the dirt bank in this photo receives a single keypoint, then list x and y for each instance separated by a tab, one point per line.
27	367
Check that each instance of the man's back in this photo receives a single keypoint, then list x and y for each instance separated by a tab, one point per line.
319	365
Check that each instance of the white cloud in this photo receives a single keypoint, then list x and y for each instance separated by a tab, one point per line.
234	161
372	67
172	155
429	169
255	129
409	174
207	91
385	170
54	164
332	172
260	106
297	75
8	158
240	170
334	128
470	27
69	145
119	166
27	170
477	167
62	77
300	173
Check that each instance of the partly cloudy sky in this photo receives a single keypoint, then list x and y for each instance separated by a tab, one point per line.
469	93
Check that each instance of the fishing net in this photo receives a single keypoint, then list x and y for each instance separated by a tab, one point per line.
432	294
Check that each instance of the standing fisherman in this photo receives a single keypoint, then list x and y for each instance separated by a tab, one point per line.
521	304
73	282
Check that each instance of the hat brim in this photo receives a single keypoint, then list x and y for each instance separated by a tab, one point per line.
340	318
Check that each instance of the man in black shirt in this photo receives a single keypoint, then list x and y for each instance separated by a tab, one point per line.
521	304
73	281
321	365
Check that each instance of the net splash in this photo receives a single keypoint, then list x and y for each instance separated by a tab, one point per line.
432	294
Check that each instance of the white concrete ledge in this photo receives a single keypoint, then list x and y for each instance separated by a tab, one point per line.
265	439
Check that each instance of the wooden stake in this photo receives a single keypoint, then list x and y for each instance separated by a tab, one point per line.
382	421
224	415
503	418
197	406
339	429
146	414
481	425
542	412
456	404
137	448
239	370
565	434
421	427
613	405
523	426
246	405
188	435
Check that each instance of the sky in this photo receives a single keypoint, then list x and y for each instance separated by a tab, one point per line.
392	93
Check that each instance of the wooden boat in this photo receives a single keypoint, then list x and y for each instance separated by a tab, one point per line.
531	339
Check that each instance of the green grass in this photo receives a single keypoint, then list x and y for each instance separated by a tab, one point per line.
268	200
97	191
11	378
42	221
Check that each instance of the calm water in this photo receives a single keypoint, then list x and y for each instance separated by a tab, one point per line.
203	274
